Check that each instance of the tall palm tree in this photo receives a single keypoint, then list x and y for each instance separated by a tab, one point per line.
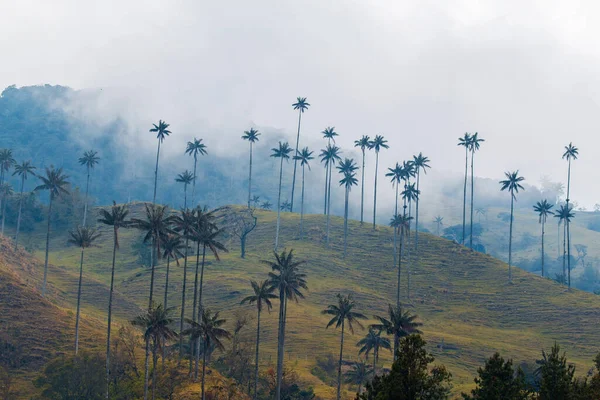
283	153
564	215
439	221
363	143
55	182
465	141
262	294
377	144
156	325
401	224
161	131
543	208
358	375
89	160
410	194
301	105
512	184
347	168
186	177
342	313
329	156
172	246
83	238
195	149
421	163
289	282
329	133
571	153
252	137
398	323
373	341
6	191
209	332
24	170
6	163
117	218
473	147
304	156
396	175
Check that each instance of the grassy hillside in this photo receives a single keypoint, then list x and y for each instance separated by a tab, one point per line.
462	297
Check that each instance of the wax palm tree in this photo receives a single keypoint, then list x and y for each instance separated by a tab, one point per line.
301	105
571	153
401	224
398	323
473	147
262	295
283	153
252	137
6	163
116	218
377	144
255	201
304	156
346	168
89	160
421	163
410	194
195	149
358	374
161	131
329	133
186	177
266	205
465	141
172	246
209	332
374	342
439	221
512	184
396	175
363	143
156	326
55	182
6	191
24	170
564	215
343	313
543	208
286	206
289	282
329	156
83	238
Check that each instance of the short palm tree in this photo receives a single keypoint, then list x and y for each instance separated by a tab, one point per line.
465	141
161	131
474	146
255	201
543	208
83	238
374	342
283	153
571	153
266	205
195	149
358	374
377	144
262	295
363	144
172	246
343	313
252	137
186	177
564	215
398	323
6	192
301	105
286	206
329	156
89	160
329	133
346	168
439	221
421	163
24	170
55	182
512	184
116	218
304	156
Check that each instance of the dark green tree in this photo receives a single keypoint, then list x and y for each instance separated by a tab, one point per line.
377	144
89	160
363	144
498	380
543	209
358	374
161	131
252	137
512	184
556	376
374	342
301	105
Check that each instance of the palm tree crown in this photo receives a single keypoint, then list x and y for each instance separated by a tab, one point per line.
54	182
571	152
347	168
6	160
24	170
304	156
343	313
90	159
564	213
330	155
421	162
251	135
329	133
263	294
285	276
378	143
83	237
186	177
474	142
196	148
161	130
301	104
512	183
283	151
465	141
543	208
363	142
399	323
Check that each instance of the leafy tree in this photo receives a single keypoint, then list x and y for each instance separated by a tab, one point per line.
358	374
329	156
543	208
421	163
498	380
304	156
363	143
398	323
512	184
55	182
343	313
301	105
556	376
252	137
195	149
161	131
347	168
186	177
377	144
329	133
89	160
24	170
439	221
283	153
474	145
465	141
373	341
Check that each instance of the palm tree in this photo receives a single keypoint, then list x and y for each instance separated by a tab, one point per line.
399	323
377	144
161	132
55	183
172	245
210	333
347	168
401	224
329	133
343	313
304	156
186	177
301	105
421	163
6	163
474	145
480	211
83	238
543	208
363	143
89	160
329	156
564	215
263	294
252	137
117	218
465	141
266	205
396	175
286	206
155	324
255	201
571	153
289	282
194	149
512	184
439	221
283	153
23	170
6	191
410	194
373	341
358	375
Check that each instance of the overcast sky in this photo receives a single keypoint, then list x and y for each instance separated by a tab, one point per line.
524	74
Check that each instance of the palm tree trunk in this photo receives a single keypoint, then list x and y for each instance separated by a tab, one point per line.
87	188
167	281
200	307
154	359
204	367
395	230
346	221
569	254
193	342
257	354
329	203
339	382
181	320
417	214
472	189
280	345
146	369
396	346
3	214
564	252
400	264
326	188
78	304
152	262
543	223
362	189
302	205
250	178
558	238
279	204
185	196
156	173
19	215
512	201
465	196
194	183
110	297
296	160
47	246
375	191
